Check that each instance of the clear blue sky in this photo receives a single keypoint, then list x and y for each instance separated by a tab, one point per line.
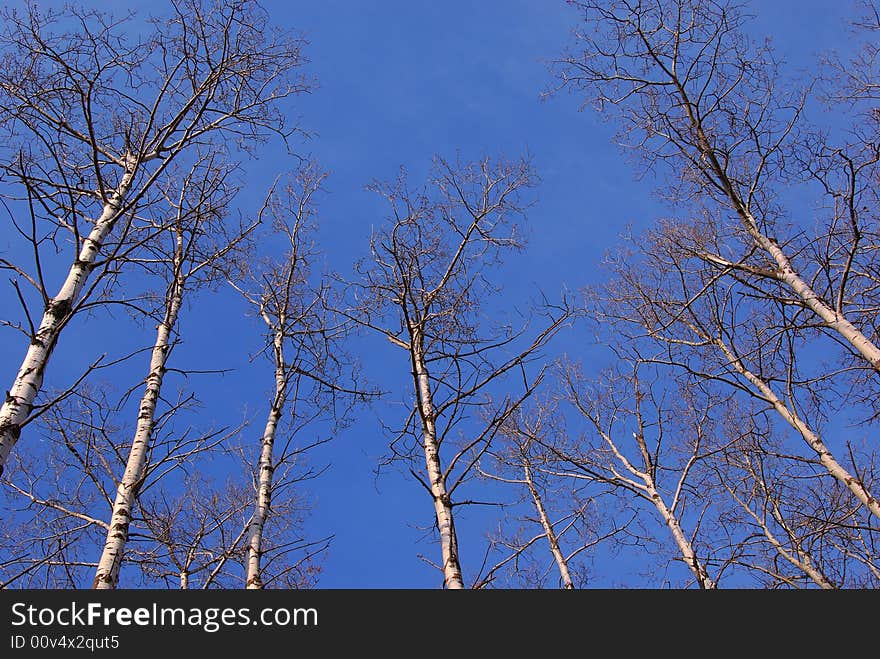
401	80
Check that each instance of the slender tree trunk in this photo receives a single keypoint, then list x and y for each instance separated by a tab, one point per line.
684	545
442	504
647	477
184	580
107	574
799	559
834	320
786	272
552	538
28	381
263	503
815	442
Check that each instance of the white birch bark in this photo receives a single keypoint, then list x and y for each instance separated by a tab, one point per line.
442	504
646	484
787	274
797	557
785	270
800	560
552	538
28	381
834	320
107	573
263	502
815	442
681	540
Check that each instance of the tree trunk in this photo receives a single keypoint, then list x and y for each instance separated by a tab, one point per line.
786	272
799	560
552	538
684	545
263	503
815	442
834	320
442	504
107	574
28	381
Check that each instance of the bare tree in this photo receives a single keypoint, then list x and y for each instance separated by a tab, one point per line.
93	118
425	289
857	81
764	495
548	527
196	535
796	525
175	534
750	299
312	373
664	299
642	446
711	476
703	101
523	458
56	503
199	538
673	311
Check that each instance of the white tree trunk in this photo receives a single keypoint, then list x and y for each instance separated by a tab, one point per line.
442	504
808	568
107	573
28	381
684	545
786	272
263	503
649	486
799	559
815	442
552	538
834	320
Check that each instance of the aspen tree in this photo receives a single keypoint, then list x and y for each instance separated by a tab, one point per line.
424	289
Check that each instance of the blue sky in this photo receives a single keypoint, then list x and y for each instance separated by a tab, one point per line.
401	80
